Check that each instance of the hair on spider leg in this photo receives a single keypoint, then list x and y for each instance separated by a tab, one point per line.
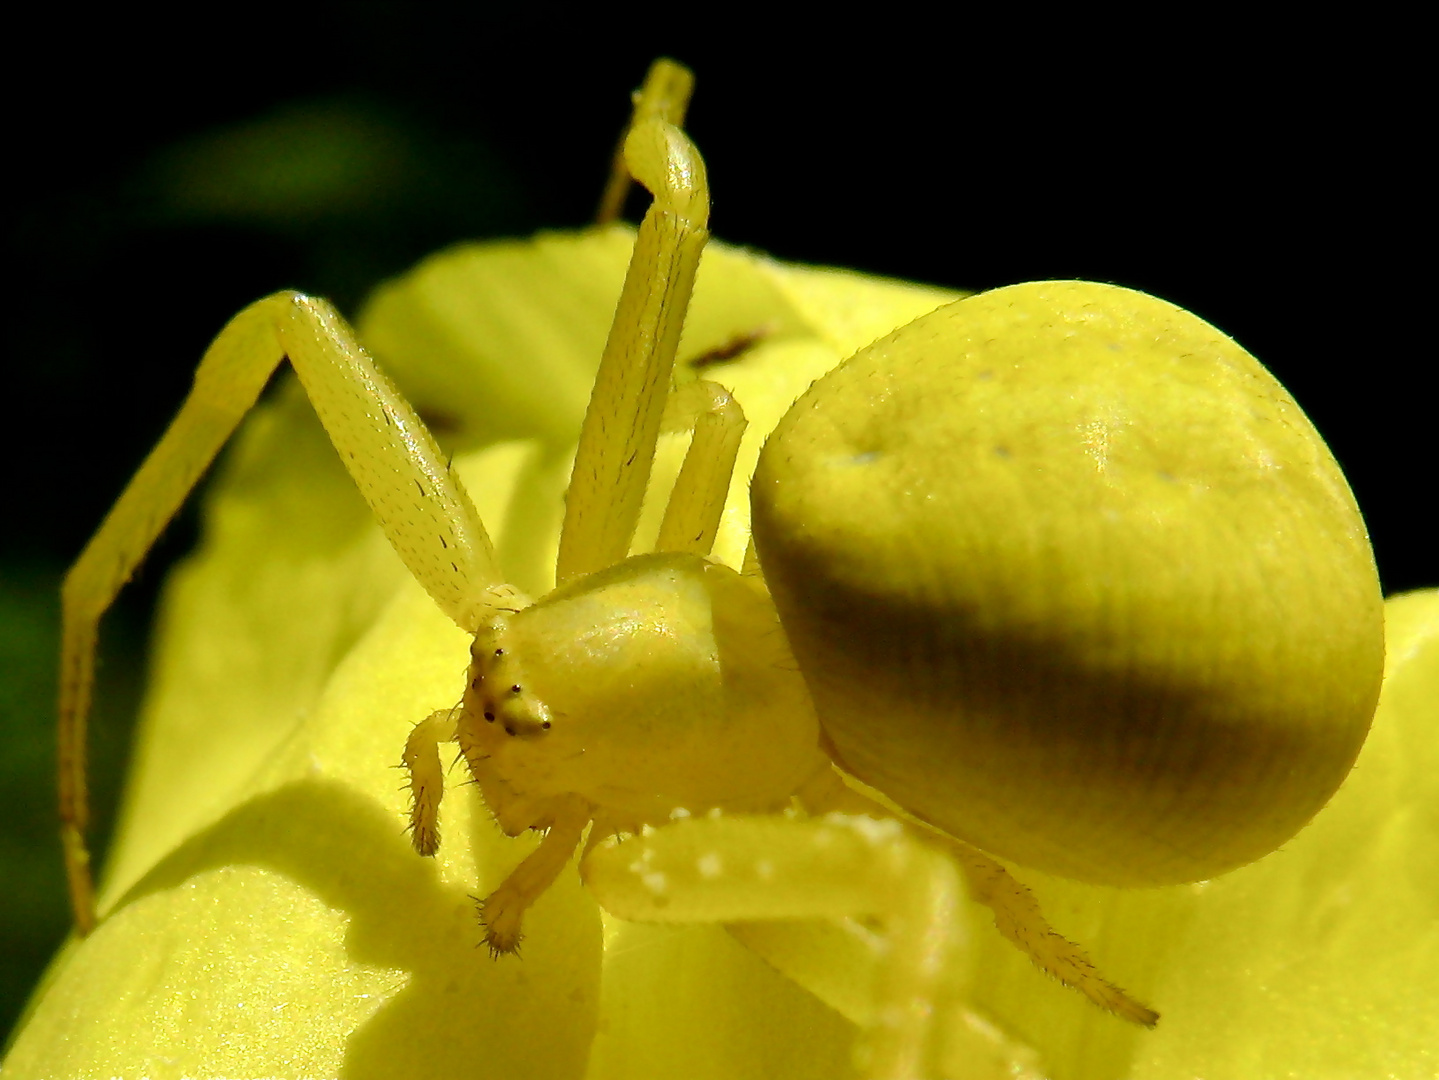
494	819
495	950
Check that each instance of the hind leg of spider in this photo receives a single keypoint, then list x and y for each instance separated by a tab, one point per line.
1017	914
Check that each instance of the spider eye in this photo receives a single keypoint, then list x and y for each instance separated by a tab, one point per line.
490	716
545	725
515	689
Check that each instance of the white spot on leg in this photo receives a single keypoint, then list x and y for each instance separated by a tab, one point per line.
879	831
642	864
710	865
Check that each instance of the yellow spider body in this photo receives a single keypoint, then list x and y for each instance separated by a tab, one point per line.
645	690
1071	576
663	682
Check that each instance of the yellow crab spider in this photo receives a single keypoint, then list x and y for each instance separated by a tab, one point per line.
596	703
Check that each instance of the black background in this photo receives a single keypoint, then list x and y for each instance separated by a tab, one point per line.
1268	185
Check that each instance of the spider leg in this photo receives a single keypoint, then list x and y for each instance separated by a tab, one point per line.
503	910
421	506
1018	918
664	96
427	778
743	868
697	500
622	424
1017	914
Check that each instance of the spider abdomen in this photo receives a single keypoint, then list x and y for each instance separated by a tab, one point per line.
1073	578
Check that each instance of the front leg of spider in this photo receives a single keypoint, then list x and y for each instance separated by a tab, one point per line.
379	438
502	912
494	711
503	731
